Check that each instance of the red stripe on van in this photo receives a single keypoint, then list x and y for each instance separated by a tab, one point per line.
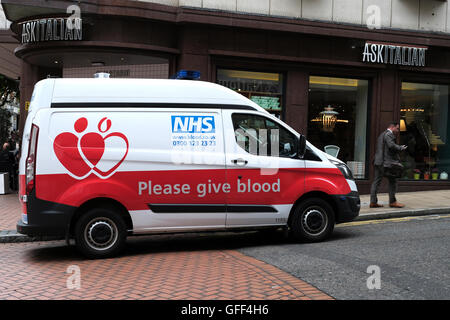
205	187
22	192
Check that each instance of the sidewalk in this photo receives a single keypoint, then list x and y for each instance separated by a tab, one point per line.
416	204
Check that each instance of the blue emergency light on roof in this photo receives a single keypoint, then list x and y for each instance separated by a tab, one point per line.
187	75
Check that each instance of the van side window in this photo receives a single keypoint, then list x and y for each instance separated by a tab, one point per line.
258	135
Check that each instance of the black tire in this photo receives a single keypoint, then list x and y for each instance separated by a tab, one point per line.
100	233
313	220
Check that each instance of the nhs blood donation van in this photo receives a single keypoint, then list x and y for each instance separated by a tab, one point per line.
103	159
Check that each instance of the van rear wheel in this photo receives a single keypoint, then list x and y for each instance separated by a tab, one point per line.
100	233
313	220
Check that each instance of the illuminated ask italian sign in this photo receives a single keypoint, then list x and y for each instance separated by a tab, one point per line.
404	55
52	29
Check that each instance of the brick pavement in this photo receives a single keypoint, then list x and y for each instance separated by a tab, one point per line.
38	270
10	211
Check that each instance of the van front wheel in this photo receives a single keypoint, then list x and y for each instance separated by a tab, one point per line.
100	233
313	220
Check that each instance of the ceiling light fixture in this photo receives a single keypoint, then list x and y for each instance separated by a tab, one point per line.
328	118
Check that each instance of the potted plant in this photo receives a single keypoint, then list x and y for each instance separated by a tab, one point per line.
435	173
426	175
416	174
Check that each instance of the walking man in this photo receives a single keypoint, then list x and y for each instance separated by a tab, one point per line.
386	154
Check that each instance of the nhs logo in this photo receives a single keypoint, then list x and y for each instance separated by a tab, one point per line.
193	124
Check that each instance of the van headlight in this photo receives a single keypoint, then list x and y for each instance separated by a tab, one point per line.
344	169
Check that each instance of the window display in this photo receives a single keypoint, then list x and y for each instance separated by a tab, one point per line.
337	120
424	118
265	89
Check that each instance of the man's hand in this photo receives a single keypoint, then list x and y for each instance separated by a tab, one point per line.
404	147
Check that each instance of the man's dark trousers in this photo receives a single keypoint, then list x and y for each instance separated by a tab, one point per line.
379	173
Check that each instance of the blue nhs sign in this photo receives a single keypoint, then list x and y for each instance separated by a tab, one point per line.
193	124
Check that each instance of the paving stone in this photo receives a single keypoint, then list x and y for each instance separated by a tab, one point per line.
43	275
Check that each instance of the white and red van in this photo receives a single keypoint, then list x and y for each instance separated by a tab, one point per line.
106	158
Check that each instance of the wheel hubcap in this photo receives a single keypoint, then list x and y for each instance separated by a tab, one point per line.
314	221
101	234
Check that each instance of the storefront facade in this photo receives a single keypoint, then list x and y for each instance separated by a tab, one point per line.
338	84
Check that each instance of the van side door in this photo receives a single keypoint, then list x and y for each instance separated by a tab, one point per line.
263	169
182	171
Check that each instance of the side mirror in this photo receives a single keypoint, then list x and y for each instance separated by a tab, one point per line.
301	146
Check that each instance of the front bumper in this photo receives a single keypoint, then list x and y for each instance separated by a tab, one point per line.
348	206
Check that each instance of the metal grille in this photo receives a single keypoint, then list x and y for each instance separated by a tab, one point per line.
147	71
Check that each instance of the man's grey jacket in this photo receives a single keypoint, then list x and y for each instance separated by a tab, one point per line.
391	150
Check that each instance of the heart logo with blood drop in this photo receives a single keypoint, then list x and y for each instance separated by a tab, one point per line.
85	154
93	146
66	150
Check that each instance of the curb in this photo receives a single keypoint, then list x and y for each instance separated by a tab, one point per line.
401	213
12	236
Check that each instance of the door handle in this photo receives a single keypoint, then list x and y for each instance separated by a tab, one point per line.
240	162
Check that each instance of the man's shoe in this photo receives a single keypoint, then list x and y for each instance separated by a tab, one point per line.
396	205
375	205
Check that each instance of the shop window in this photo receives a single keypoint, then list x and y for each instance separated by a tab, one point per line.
337	120
265	89
143	71
424	128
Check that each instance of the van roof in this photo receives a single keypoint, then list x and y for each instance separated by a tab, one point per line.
137	91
